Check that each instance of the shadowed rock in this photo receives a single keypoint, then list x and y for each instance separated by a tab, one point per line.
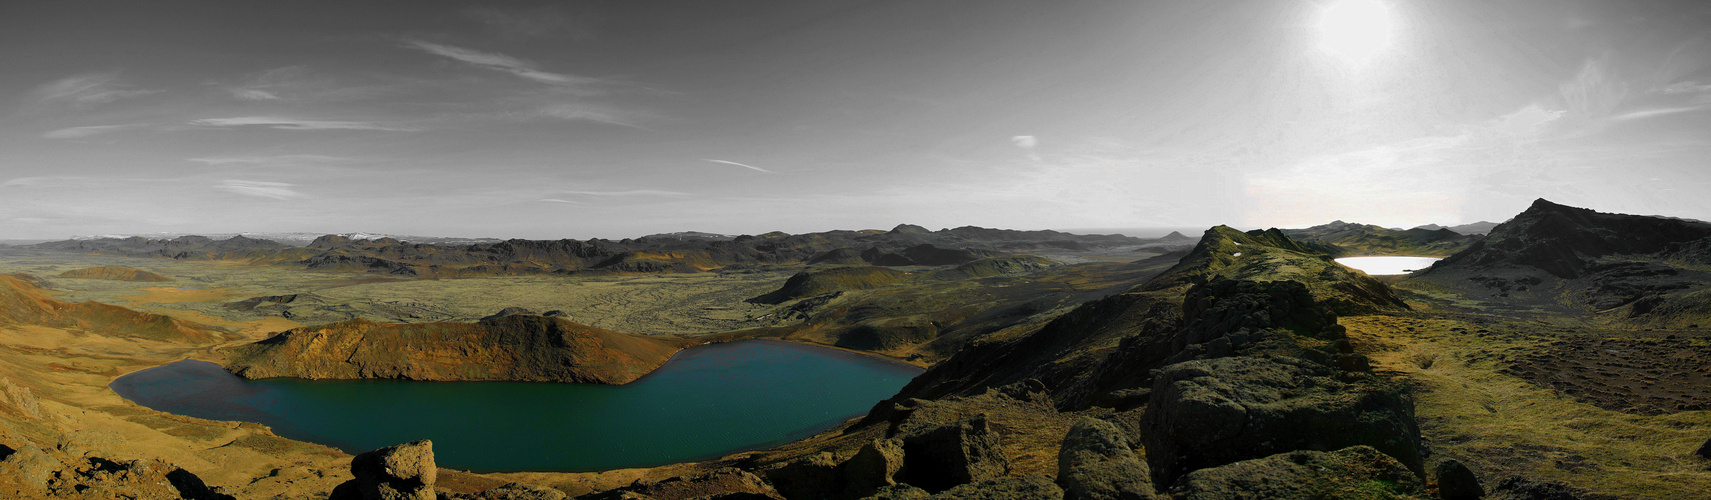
1456	482
939	458
405	471
1354	472
1095	463
1213	412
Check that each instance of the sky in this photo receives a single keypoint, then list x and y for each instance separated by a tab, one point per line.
582	119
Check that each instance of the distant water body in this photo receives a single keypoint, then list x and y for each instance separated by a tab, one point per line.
1388	265
707	401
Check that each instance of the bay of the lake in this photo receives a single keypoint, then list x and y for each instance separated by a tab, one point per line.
1383	265
707	401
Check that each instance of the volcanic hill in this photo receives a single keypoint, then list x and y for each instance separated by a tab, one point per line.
522	347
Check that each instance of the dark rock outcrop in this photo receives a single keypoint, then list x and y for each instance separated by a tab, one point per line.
938	458
1355	472
1456	481
400	472
1212	412
1096	463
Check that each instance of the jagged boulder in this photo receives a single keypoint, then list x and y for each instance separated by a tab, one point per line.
1456	481
814	476
1354	472
27	466
1207	413
1704	450
1095	463
875	466
405	471
939	458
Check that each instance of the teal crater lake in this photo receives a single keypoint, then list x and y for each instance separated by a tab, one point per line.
707	401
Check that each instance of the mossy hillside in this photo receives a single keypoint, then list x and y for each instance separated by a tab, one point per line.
1270	255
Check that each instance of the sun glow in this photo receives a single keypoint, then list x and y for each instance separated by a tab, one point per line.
1355	30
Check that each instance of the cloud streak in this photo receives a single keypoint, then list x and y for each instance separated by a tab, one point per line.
87	90
629	193
297	124
92	130
502	63
750	167
263	189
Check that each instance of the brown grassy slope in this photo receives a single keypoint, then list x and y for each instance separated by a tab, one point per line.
117	273
519	347
22	302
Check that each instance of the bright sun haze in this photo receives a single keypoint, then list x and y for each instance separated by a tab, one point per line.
1355	30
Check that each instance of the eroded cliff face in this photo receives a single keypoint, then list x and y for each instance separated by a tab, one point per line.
516	347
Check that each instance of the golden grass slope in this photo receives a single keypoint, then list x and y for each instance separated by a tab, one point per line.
22	302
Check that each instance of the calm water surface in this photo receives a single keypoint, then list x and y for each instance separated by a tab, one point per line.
707	401
1388	264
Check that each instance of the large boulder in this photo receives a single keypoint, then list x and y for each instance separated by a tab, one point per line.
1350	473
875	466
1456	481
939	458
1095	463
1211	412
402	472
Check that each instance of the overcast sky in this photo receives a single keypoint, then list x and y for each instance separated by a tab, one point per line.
624	118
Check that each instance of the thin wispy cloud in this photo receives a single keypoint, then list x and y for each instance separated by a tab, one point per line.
1027	143
87	90
750	167
254	95
503	63
628	193
270	160
262	189
1652	113
298	124
590	112
92	130
557	200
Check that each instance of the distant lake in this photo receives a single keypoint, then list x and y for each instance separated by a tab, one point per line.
1388	265
707	401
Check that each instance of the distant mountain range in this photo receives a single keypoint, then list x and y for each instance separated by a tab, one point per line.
904	245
